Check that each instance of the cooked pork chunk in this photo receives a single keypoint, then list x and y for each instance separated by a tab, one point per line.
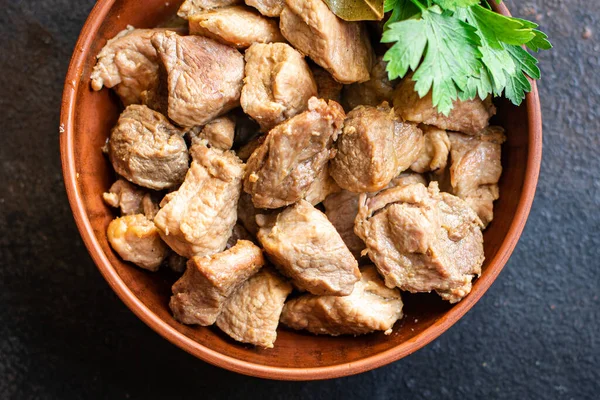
370	307
219	133
372	92
341	47
238	233
278	84
246	150
197	219
327	87
247	213
199	295
323	186
125	196
282	169
270	8
237	26
341	209
469	117
146	149
251	314
150	206
409	142
129	64
191	7
374	148
204	77
407	178
167	198
306	247
434	154
136	239
422	240
476	169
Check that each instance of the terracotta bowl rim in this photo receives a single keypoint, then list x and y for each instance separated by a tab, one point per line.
69	104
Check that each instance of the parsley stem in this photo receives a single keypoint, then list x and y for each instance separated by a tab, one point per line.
418	4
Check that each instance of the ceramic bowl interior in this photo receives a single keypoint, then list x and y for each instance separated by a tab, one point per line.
86	120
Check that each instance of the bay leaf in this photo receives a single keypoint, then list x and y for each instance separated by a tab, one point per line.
357	10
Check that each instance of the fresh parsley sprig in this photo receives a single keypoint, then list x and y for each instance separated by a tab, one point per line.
461	49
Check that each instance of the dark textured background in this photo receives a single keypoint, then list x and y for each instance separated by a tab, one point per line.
64	334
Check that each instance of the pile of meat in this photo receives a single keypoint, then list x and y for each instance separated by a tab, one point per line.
264	154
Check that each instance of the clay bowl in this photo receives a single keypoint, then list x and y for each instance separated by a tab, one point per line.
86	120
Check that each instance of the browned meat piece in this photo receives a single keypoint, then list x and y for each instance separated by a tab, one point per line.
278	84
306	247
341	209
191	7
372	92
341	47
469	117
136	239
149	206
327	87
374	148
370	307
125	196
246	150
323	186
476	169
219	133
205	77
176	263
434	154
247	213
146	149
238	233
197	219
282	169
251	314
237	26
129	64
409	142
269	8
200	294
422	240
167	198
407	178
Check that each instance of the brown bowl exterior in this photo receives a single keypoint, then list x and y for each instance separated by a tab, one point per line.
86	119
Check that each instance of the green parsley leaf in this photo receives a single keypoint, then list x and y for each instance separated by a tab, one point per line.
410	38
477	85
495	58
517	84
389	5
498	63
540	39
450	58
461	49
539	42
451	55
497	28
453	4
401	10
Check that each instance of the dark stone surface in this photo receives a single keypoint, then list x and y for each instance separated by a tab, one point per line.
64	334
